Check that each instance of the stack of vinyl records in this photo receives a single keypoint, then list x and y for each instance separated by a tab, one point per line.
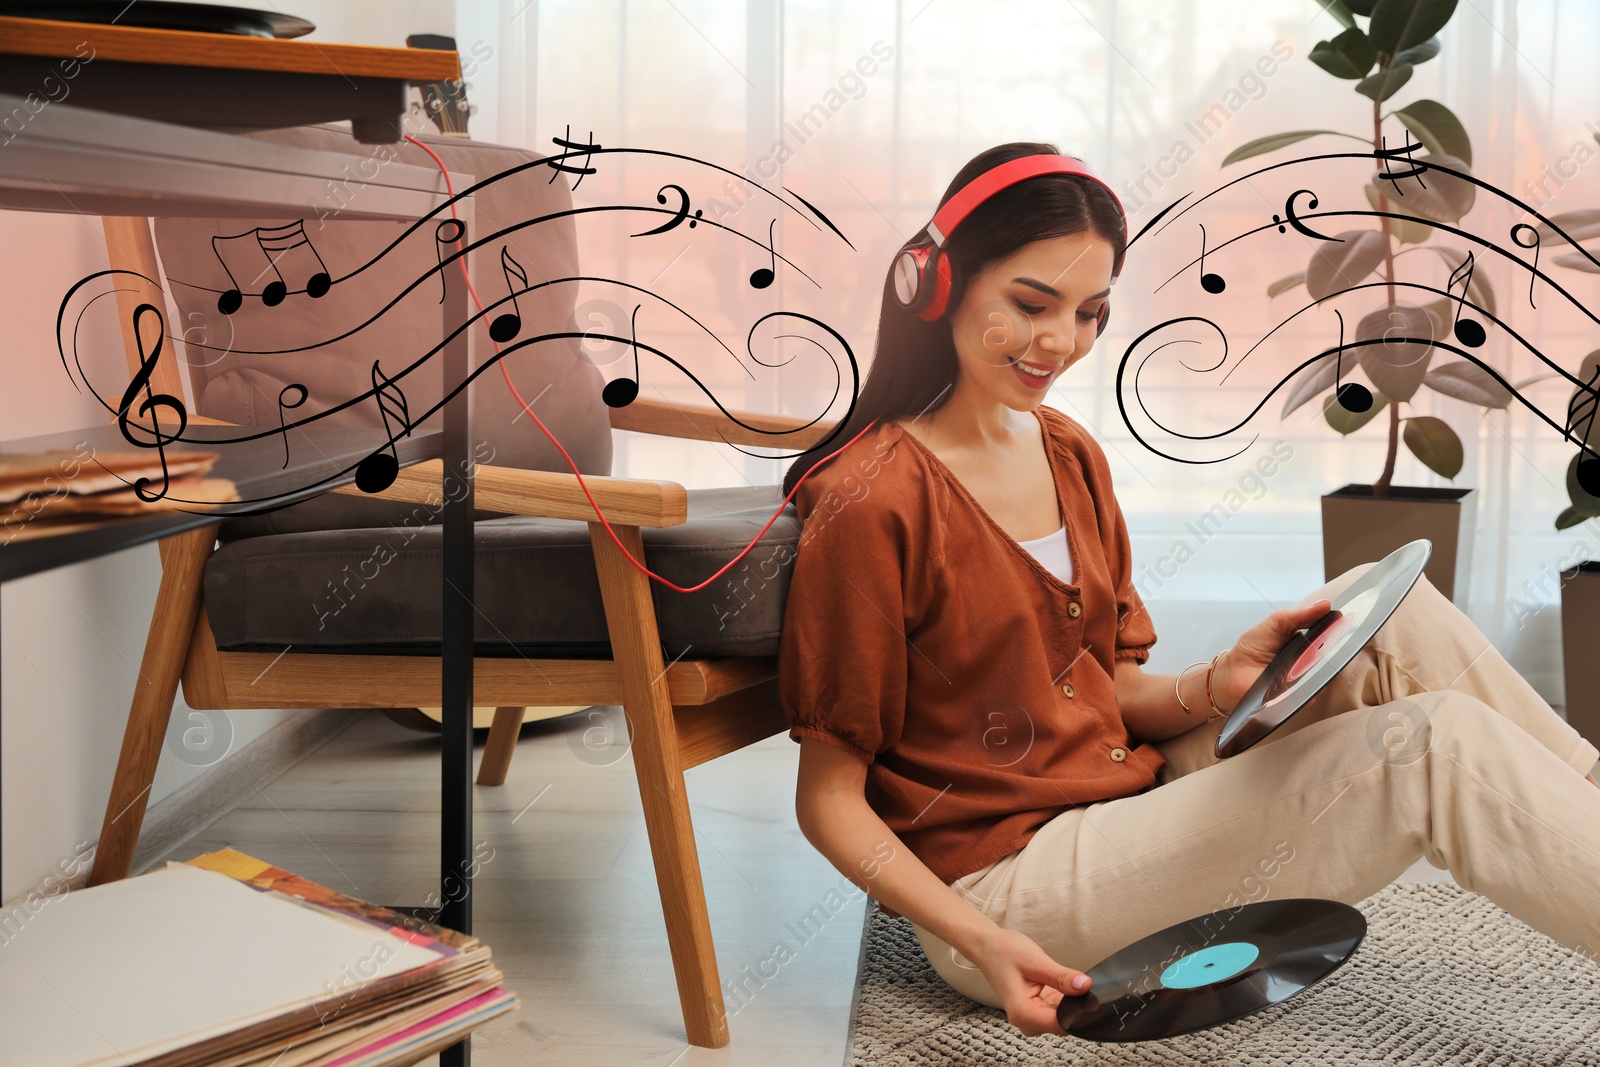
227	961
45	491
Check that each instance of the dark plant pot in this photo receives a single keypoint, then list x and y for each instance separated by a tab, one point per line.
1358	527
1580	641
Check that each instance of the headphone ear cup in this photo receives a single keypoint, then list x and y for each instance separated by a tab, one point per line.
1101	319
938	275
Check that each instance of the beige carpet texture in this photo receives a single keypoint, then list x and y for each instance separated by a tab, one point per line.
1444	976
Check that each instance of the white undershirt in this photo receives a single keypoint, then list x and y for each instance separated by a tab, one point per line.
1051	551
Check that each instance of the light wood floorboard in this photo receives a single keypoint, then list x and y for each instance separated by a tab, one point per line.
567	899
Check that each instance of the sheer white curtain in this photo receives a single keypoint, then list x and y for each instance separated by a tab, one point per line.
866	110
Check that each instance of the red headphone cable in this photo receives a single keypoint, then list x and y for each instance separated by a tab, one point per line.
450	188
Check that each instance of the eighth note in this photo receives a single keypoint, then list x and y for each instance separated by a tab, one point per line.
620	392
1582	410
762	277
1211	283
1468	331
507	326
378	471
274	245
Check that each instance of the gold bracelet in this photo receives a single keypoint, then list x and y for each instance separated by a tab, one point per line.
1179	681
1217	712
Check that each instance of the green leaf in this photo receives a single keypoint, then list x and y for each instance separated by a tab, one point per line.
1283	285
1315	378
1582	502
1360	7
1401	24
1274	142
1433	442
1337	265
1349	55
1338	10
1384	84
1583	263
1569	517
1579	225
1396	366
1406	231
1469	382
1420	54
1346	421
1437	127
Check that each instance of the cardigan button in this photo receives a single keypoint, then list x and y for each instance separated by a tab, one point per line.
1067	689
1119	754
1074	609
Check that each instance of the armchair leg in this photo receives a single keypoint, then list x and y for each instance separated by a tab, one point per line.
658	764
502	744
183	561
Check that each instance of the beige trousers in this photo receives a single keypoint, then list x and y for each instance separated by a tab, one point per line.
1429	744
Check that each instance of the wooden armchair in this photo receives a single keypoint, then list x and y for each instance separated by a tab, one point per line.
679	714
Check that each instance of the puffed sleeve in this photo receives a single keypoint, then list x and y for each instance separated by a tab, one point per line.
842	666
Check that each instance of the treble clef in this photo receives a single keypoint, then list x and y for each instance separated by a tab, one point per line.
141	380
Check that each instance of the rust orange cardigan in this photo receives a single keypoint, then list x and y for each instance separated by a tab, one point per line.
921	637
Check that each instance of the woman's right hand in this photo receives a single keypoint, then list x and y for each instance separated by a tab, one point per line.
1030	984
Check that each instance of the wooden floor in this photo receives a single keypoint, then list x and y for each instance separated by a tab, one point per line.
565	895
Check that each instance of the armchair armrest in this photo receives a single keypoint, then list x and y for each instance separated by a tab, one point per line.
666	418
549	494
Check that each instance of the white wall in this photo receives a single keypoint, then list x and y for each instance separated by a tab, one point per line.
71	639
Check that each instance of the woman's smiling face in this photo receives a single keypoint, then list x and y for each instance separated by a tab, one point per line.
1034	308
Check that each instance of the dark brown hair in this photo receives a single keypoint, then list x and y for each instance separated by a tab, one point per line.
915	361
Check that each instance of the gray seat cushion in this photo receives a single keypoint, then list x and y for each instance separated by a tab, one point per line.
379	589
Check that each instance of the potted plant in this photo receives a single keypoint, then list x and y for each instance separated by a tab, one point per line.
1366	522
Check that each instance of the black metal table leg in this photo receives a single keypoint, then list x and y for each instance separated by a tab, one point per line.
455	829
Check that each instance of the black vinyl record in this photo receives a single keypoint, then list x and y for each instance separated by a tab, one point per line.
1311	659
163	15
1213	969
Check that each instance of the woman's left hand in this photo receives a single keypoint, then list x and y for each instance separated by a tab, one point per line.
1239	668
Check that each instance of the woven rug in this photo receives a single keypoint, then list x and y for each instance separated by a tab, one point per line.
1443	977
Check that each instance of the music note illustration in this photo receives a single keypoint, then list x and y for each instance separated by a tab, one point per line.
508	325
762	277
1211	283
152	403
273	245
558	163
378	471
680	213
620	392
446	235
1387	154
1468	331
1533	275
1352	396
293	387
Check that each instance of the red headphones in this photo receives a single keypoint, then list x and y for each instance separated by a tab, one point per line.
923	277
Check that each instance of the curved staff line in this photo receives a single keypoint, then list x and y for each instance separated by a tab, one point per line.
838	381
487	238
849	353
1337	349
1378	156
1409	285
371	393
549	161
77	324
1122	407
520	292
1465	234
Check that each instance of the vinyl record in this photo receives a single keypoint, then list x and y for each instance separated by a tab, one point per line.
163	15
1312	657
1213	969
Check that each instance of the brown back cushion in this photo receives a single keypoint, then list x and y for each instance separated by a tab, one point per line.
233	385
